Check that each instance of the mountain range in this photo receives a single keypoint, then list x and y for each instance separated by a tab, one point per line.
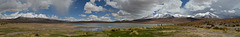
172	20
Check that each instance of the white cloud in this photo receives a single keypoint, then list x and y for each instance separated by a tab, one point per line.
221	8
91	6
30	15
202	8
135	9
88	12
106	15
13	5
105	18
111	3
231	11
93	16
130	9
70	19
90	18
102	18
194	5
33	15
62	6
21	5
212	9
82	15
92	1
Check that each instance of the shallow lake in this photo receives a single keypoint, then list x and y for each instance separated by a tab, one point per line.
106	26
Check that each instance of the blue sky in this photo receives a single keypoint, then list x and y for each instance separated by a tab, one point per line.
76	8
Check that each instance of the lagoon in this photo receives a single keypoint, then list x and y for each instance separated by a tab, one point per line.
106	26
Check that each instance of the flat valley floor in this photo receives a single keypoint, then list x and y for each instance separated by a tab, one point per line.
68	30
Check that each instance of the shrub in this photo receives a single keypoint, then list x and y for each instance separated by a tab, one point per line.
84	34
237	29
3	23
114	29
223	28
131	28
125	29
144	28
134	32
215	27
208	27
212	25
237	25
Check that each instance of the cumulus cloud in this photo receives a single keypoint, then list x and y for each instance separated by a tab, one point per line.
102	18
33	15
130	9
70	19
62	6
24	5
82	15
30	15
105	18
221	8
93	16
90	18
135	9
194	5
91	6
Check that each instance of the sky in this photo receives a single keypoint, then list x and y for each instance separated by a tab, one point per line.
115	10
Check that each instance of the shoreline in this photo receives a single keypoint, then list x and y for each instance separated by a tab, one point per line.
65	30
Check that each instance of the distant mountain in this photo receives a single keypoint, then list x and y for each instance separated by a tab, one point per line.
230	21
206	15
171	20
31	20
166	20
199	15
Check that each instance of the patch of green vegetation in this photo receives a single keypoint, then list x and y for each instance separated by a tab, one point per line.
130	32
28	35
3	23
114	32
85	33
58	35
221	25
139	33
5	31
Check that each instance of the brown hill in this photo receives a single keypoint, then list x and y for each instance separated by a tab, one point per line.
166	20
31	20
152	20
231	21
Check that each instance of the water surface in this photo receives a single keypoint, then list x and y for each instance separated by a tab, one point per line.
106	26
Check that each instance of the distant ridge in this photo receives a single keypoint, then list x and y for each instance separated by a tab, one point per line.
230	21
166	20
31	20
171	20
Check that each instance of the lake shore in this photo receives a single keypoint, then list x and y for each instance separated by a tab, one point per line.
67	30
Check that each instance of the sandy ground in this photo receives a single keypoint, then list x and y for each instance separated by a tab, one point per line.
36	28
198	32
186	32
40	26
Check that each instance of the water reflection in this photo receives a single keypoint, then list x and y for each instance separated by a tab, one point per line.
106	26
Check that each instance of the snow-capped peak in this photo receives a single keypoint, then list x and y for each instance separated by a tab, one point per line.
206	15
